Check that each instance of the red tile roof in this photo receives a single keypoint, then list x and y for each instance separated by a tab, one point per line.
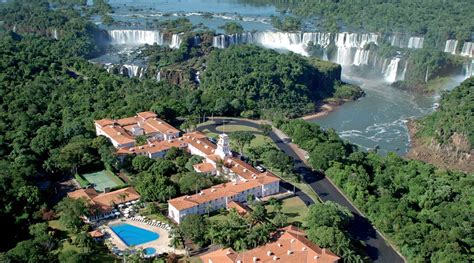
153	147
289	247
105	201
239	208
121	130
204	168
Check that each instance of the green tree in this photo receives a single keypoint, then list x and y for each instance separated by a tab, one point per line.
84	240
194	228
72	256
142	163
280	219
163	167
241	139
232	28
74	155
154	187
71	212
258	213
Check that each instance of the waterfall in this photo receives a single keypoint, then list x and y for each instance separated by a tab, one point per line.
351	48
451	46
398	40
426	75
175	41
395	40
130	70
468	49
109	67
361	57
468	69
415	42
196	41
318	38
158	76
136	37
404	71
197	78
55	34
390	73
279	40
142	72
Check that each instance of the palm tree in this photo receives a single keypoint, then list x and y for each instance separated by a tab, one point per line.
276	204
122	197
177	237
84	240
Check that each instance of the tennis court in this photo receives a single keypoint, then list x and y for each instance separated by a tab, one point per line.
103	179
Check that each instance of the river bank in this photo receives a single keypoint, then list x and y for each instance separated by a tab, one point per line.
427	150
324	110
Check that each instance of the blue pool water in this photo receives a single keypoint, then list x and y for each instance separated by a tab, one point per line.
132	235
149	251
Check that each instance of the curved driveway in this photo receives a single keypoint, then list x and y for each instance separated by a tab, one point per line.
376	247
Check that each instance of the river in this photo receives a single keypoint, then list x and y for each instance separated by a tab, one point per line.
377	120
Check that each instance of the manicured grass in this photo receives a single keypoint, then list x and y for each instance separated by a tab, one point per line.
103	179
217	217
233	128
261	140
192	260
292	207
101	253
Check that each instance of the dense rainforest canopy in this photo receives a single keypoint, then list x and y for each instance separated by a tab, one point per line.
261	80
425	211
455	115
50	96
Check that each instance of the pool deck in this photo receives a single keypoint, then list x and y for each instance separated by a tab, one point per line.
160	244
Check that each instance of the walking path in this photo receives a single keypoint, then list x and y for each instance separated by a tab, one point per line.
377	247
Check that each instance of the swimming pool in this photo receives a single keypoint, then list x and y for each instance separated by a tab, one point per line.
132	235
149	251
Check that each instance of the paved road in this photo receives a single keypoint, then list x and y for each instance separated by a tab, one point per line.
360	228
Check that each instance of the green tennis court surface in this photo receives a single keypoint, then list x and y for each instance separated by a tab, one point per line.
103	179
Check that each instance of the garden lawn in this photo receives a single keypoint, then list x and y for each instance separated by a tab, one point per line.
292	207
